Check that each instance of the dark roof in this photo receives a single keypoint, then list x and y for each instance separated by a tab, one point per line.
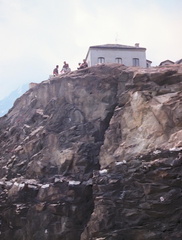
116	46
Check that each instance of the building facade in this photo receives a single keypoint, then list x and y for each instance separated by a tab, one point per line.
117	53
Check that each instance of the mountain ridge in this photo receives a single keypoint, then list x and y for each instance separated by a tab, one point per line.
7	102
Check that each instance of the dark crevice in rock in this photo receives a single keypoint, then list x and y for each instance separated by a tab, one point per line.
104	124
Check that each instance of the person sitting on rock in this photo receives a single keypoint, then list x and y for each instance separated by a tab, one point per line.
55	71
83	65
65	68
79	64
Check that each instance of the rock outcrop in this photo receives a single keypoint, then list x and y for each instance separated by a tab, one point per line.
94	155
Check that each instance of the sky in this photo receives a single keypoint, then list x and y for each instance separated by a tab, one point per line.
36	35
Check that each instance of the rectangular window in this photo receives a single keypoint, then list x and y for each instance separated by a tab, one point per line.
101	60
118	60
136	62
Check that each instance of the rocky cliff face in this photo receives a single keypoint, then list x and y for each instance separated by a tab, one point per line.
94	155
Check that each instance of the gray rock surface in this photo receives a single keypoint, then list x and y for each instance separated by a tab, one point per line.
94	154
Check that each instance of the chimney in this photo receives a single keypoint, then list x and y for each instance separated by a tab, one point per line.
137	45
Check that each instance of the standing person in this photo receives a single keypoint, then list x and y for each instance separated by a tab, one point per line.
55	71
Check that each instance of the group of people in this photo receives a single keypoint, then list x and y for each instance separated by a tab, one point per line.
82	65
66	68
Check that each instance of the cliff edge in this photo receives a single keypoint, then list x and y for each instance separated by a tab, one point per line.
94	154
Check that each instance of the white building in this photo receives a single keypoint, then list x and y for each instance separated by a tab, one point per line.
117	53
166	62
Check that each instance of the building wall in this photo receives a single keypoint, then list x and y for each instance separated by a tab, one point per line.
88	59
148	64
110	55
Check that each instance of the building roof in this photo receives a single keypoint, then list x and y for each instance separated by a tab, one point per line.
179	61
117	46
166	61
148	61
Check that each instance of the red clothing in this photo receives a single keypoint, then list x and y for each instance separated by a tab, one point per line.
55	71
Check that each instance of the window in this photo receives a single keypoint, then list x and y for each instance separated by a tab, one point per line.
118	60
136	62
101	60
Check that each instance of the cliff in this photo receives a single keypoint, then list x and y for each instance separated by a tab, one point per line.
94	154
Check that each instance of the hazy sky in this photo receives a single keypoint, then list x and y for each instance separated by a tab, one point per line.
38	34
